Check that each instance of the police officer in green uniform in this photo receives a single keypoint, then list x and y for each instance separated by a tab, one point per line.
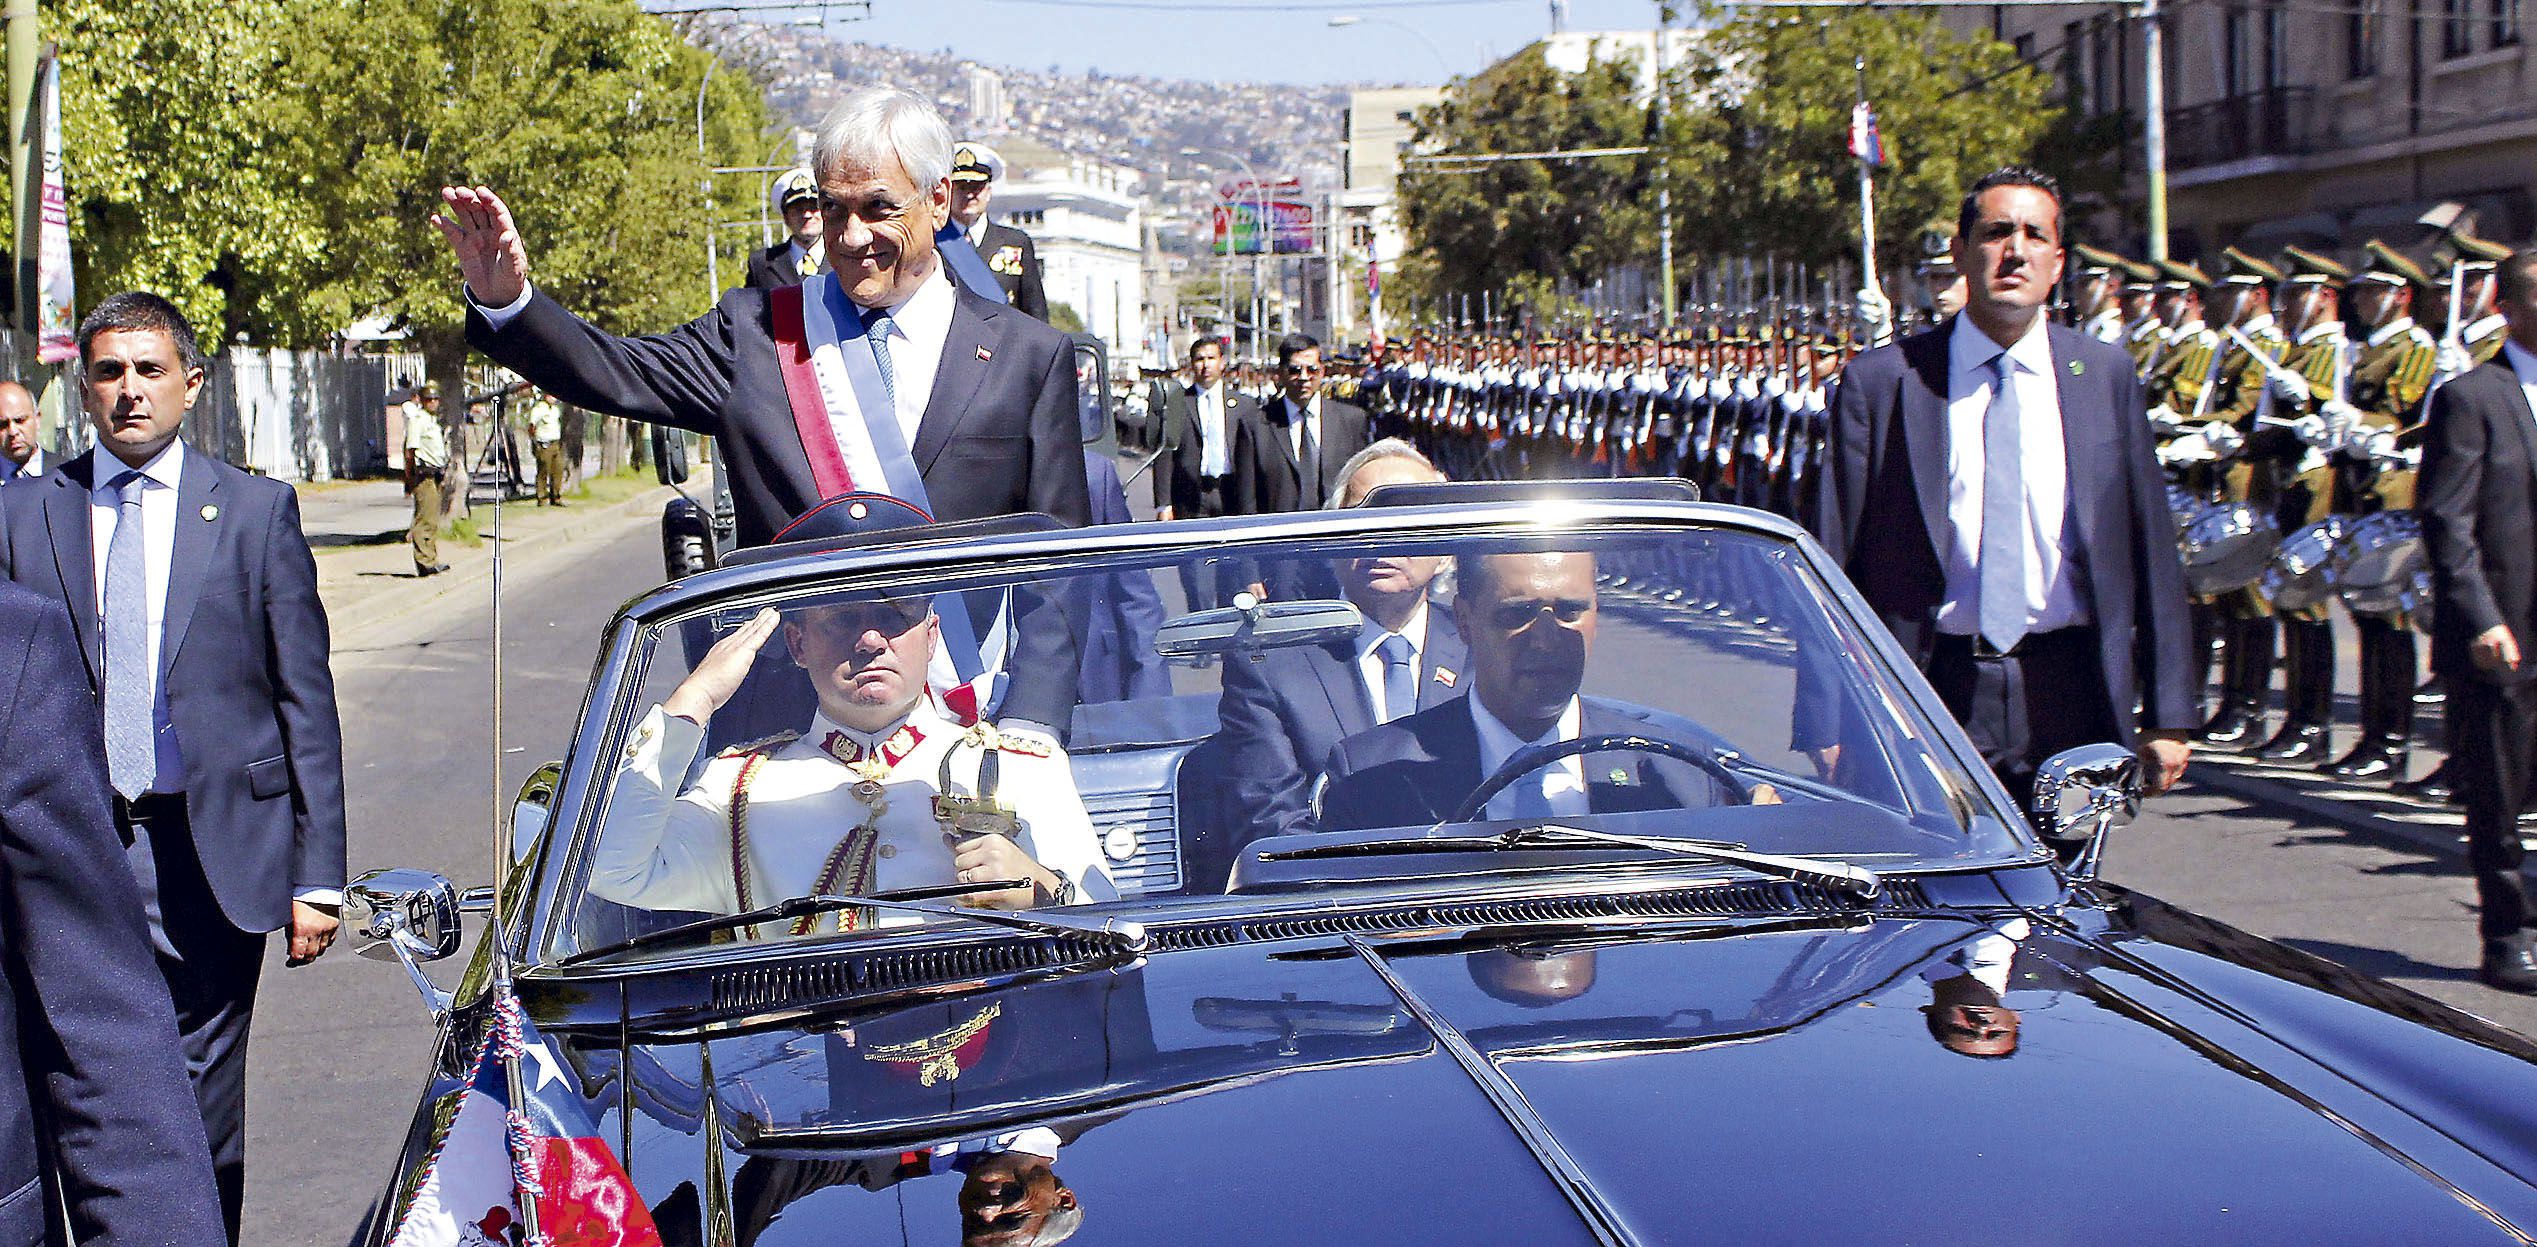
2391	375
2144	331
2309	302
426	458
2237	394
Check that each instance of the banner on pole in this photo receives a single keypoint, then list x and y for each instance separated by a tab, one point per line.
1865	142
55	322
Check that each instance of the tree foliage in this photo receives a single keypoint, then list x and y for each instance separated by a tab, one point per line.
274	167
1754	151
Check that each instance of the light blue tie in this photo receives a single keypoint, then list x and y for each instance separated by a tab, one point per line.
2000	574
1400	676
876	330
131	750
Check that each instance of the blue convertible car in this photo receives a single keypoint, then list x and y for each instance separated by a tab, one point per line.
1481	865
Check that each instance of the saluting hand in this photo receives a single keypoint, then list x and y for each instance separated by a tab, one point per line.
717	679
491	257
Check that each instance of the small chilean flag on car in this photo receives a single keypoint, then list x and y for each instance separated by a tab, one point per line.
486	1154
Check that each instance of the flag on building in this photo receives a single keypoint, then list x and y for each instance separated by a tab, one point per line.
1865	142
487	1153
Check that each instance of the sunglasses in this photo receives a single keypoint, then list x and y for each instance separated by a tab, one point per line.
1518	614
890	619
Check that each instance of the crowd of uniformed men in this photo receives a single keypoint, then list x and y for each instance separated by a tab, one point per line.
2287	392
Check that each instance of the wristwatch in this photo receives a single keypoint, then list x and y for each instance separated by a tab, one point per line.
1064	893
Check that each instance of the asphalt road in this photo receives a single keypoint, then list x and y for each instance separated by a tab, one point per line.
339	1047
335	1065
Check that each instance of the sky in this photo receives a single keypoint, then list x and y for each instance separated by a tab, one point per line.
1235	40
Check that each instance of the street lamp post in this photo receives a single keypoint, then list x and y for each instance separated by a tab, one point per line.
1353	19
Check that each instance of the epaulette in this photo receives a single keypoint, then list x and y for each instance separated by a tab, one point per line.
2421	337
765	745
1029	747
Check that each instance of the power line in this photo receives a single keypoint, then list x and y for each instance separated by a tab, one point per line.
1263	10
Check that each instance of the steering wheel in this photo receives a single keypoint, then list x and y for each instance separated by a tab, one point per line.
1533	758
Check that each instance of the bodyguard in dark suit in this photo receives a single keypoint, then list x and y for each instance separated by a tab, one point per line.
1288	452
1283	710
90	1082
2478	500
194	597
796	196
1529	620
1992	491
1121	612
1193	475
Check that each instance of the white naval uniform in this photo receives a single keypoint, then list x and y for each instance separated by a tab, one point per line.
659	851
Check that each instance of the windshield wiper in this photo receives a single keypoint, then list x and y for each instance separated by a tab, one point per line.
1855	881
1117	935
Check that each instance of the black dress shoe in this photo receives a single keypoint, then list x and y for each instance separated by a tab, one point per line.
2510	962
2371	761
2296	744
2433	788
2235	727
435	569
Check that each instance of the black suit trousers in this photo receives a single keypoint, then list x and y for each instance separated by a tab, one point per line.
2022	709
2494	731
211	969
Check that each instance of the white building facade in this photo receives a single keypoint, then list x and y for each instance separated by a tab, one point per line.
1088	224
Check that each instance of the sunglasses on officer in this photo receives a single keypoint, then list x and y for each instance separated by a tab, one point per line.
1517	614
888	617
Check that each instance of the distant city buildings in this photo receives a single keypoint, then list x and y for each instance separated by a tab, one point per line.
988	112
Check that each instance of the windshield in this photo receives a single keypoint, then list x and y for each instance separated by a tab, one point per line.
1142	726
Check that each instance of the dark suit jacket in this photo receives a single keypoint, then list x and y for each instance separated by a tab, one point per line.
1285	709
88	1049
1266	478
1176	475
1882	512
1000	432
243	660
1412	772
773	267
1121	612
1015	260
2478	502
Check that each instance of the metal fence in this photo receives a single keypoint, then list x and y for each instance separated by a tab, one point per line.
293	415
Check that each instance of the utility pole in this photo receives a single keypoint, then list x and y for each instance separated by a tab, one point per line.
24	47
2154	125
1664	171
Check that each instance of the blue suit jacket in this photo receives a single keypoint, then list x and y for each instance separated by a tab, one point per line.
1882	512
1283	710
1413	772
1119	662
243	660
88	1048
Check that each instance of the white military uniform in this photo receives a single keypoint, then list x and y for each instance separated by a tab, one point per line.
660	850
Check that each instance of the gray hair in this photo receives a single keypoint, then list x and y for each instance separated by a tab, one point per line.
1388	448
878	125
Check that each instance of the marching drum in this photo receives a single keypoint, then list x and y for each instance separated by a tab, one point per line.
2380	567
2300	574
2227	546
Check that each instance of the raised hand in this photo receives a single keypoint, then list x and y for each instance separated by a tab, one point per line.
491	256
718	677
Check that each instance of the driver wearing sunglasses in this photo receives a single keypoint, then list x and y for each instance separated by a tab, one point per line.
1529	621
846	805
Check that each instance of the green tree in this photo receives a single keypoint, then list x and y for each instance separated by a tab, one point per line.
1760	151
1519	228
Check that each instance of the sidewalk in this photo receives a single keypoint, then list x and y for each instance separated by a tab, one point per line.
365	570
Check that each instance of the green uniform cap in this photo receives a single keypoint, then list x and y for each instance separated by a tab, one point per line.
2386	265
2237	268
2175	275
2302	265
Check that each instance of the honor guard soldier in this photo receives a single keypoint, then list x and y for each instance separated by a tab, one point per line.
2310	393
2144	332
2096	279
2237	397
1939	279
883	789
2180	369
2391	375
2478	336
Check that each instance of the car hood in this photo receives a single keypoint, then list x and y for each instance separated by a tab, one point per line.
1894	1081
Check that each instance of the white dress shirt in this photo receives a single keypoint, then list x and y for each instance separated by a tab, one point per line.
1370	661
37	462
2054	598
1215	443
158	551
1562	783
2525	365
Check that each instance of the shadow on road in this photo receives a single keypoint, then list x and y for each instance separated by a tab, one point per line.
2379	961
330	540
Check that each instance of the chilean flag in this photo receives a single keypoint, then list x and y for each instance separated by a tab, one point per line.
1865	142
484	1155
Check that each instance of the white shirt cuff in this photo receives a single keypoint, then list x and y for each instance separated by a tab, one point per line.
319	896
497	317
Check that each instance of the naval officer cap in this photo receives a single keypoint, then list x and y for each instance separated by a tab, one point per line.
973	161
791	187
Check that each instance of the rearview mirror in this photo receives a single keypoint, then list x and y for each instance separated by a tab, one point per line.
2086	792
1251	624
408	916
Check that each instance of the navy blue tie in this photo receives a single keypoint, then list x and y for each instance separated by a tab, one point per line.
1400	676
131	750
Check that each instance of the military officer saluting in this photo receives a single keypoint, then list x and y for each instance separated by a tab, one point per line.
882	791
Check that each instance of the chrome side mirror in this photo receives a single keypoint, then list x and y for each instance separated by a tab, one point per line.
408	916
2086	792
530	812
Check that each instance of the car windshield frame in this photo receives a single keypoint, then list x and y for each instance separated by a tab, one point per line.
559	871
